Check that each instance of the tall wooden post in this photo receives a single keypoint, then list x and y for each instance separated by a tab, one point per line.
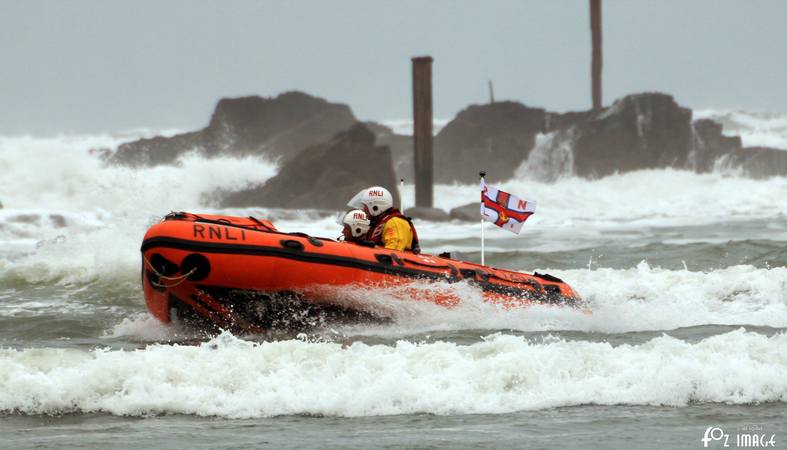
595	34
422	131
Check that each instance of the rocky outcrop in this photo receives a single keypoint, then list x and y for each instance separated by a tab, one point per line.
637	132
643	131
470	212
159	150
564	121
325	176
277	128
323	164
757	162
401	149
710	145
495	137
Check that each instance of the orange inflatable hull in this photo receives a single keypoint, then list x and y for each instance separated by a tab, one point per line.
241	273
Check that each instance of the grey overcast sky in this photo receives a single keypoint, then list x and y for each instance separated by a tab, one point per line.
95	65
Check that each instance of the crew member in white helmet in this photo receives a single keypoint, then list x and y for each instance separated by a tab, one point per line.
389	227
355	225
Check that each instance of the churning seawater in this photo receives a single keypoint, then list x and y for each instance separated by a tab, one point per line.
684	275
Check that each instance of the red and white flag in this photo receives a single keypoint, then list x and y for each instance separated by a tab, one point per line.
503	209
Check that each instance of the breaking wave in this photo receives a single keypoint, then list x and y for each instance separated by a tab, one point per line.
755	129
641	299
615	301
228	377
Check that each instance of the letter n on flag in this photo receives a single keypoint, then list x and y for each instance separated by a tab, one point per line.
503	209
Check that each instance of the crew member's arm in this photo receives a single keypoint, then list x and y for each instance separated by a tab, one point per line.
397	234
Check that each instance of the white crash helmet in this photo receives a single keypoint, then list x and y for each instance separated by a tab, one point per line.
358	222
376	199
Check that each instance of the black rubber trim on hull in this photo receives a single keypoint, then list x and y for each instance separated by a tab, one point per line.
288	253
334	260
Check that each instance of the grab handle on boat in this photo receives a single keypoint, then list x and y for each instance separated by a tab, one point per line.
292	244
312	240
389	259
474	275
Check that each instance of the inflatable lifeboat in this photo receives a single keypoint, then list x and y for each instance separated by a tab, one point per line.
243	274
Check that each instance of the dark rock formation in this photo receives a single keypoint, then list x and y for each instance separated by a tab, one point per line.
637	132
562	121
495	137
325	176
643	131
277	127
161	150
470	212
401	149
431	214
710	145
758	162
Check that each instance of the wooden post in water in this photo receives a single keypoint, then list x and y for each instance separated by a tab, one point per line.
422	131
595	36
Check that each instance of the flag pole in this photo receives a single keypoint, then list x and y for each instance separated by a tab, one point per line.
401	195
482	174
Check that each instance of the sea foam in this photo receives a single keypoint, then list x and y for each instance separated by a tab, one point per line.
614	301
754	128
228	377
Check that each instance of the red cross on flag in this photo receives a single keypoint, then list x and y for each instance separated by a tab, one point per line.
503	209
